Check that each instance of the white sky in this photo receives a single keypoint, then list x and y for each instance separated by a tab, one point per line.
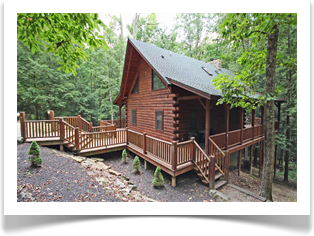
164	19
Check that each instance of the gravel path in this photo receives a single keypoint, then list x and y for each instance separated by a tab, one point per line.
59	179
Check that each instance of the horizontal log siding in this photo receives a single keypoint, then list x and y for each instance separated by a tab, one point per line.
146	103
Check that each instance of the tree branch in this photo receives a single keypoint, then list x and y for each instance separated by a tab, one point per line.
257	31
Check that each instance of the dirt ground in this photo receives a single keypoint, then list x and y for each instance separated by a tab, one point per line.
282	191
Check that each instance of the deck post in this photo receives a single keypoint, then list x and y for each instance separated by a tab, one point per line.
22	122
174	149
193	149
239	162
212	172
144	143
90	126
226	165
251	159
77	139
174	181
145	164
79	122
207	126
127	134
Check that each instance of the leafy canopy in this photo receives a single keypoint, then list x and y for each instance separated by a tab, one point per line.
255	28
66	34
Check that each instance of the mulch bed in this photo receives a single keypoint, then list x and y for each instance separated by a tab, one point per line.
62	179
59	179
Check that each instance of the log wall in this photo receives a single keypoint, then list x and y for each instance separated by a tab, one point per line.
146	102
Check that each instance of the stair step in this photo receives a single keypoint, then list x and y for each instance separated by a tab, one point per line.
220	183
217	175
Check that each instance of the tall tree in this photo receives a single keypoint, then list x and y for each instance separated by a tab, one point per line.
262	30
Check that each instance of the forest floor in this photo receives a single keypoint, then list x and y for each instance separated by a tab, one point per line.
61	178
282	191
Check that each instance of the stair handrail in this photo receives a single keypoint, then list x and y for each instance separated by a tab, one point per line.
222	153
201	150
73	137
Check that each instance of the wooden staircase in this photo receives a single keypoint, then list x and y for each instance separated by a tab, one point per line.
204	167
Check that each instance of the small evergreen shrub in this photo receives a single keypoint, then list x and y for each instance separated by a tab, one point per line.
124	156
34	154
158	180
136	164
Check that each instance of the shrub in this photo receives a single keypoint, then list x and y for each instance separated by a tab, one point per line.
136	164
158	180
34	154
124	156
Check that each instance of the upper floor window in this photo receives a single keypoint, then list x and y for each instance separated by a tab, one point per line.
157	84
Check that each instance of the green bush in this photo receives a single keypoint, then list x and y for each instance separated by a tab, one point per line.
34	154
136	164
158	180
124	156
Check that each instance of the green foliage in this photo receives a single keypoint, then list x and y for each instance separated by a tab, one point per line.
124	156
34	154
158	180
136	164
66	35
292	170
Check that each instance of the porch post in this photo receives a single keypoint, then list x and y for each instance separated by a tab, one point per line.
241	123
212	172
79	122
253	123
227	108
120	122
275	167
61	132
207	126
226	165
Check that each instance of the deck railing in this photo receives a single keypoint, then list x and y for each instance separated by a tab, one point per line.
104	128
135	138
184	150
85	125
116	122
41	128
102	139
159	148
215	151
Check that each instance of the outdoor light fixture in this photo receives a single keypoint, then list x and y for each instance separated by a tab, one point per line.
48	112
18	114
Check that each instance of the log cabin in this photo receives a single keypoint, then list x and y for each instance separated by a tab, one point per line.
171	97
171	119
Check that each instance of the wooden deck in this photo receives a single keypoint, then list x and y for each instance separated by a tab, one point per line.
175	158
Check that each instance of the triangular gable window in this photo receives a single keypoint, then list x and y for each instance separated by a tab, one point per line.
156	82
135	88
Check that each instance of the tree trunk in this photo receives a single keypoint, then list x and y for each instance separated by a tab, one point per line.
137	16
288	139
268	167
